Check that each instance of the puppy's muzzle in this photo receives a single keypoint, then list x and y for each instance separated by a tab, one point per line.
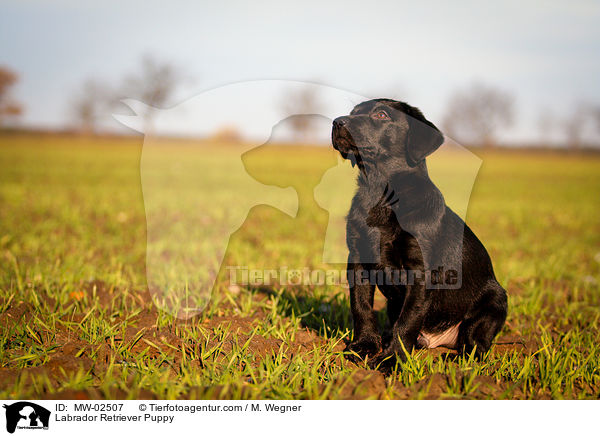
343	142
341	137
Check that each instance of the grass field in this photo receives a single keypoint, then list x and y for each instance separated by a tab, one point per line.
77	319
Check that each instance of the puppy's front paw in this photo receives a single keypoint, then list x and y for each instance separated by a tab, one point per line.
366	347
384	363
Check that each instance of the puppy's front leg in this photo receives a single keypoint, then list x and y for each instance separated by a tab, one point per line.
406	328
367	340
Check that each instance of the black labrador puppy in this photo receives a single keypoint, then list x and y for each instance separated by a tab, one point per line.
436	275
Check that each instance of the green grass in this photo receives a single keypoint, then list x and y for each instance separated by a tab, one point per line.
77	319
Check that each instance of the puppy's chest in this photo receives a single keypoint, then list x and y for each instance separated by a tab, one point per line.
395	246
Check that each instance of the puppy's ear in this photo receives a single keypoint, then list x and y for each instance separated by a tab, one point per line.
423	138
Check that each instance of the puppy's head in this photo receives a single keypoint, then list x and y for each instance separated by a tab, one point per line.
377	131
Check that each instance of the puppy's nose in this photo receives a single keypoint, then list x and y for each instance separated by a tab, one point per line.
339	122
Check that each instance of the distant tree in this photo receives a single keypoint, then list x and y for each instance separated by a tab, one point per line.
574	125
546	122
474	114
154	84
302	101
596	117
8	107
91	103
582	126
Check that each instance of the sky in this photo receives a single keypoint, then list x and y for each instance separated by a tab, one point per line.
547	54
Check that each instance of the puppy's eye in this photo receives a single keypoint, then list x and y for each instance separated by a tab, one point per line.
381	115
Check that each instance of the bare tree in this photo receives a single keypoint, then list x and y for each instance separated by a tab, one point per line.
582	125
303	101
91	103
596	117
546	122
154	84
9	108
573	126
475	113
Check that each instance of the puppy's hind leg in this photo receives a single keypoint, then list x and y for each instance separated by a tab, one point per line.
479	331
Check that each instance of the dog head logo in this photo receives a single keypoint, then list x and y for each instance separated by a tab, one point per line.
26	415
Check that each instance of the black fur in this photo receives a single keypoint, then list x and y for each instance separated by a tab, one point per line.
399	222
